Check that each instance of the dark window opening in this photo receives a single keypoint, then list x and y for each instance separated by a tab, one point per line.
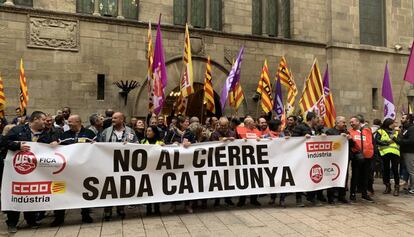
375	99
101	87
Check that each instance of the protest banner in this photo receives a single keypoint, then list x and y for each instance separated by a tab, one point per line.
110	174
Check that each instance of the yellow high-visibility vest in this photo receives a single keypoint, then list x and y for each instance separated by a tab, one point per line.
145	141
393	147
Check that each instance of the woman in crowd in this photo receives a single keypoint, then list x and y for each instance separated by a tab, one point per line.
180	134
152	136
389	150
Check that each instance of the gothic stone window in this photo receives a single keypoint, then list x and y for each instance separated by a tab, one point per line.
109	7
130	9
196	14
274	15
85	6
372	22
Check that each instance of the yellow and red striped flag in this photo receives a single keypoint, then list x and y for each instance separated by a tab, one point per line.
2	99
236	96
312	97
208	89
330	112
181	105
150	57
287	80
24	94
186	85
264	89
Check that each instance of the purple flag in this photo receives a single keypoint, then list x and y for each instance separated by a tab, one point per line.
232	79
389	108
278	101
159	72
409	72
326	87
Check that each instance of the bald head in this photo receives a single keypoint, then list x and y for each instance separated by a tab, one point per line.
118	119
75	123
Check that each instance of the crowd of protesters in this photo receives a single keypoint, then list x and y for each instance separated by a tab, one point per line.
373	151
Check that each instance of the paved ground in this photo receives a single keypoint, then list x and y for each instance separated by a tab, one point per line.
389	216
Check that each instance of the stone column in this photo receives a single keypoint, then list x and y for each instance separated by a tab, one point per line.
120	6
264	17
96	8
280	12
189	13
208	27
9	3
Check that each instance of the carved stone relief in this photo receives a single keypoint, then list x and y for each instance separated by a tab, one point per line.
53	33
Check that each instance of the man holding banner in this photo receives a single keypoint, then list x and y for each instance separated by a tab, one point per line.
76	134
339	129
248	132
308	129
16	138
118	132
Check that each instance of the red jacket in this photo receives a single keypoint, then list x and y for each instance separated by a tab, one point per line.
243	132
368	147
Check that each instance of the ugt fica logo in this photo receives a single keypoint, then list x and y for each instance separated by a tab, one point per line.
24	162
316	173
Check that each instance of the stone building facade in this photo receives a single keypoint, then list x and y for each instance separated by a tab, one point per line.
74	50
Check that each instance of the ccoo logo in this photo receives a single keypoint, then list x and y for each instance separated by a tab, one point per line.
24	162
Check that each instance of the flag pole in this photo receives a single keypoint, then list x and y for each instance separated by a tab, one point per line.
202	112
399	94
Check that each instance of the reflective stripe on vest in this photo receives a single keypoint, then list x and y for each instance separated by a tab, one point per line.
393	148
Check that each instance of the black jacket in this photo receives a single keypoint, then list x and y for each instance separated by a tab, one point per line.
23	133
3	147
84	136
406	140
302	129
334	131
174	136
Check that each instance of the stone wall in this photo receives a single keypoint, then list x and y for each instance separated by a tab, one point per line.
308	20
56	5
327	30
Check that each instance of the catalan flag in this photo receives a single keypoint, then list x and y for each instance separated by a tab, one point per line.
287	80
236	96
24	94
181	105
312	97
2	99
150	57
208	89
186	85
330	114
264	89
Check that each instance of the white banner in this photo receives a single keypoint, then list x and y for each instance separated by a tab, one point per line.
111	174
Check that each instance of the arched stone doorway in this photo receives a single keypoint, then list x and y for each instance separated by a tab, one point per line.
174	66
195	105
